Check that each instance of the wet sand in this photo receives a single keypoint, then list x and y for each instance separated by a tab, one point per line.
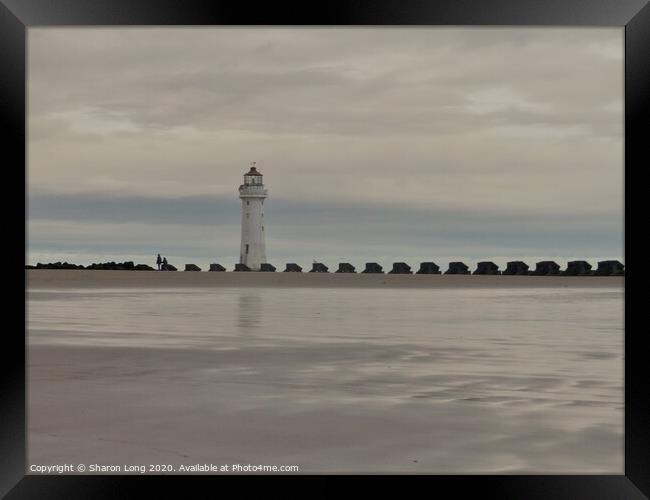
413	374
44	278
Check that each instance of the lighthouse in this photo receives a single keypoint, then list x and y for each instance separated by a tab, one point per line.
252	194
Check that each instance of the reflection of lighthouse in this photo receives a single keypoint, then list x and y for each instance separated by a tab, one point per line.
252	194
250	312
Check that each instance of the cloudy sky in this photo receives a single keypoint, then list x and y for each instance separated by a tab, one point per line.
379	144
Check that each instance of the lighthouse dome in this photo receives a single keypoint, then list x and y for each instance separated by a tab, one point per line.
253	171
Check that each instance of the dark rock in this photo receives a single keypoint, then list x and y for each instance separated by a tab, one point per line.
28	266
168	267
241	268
400	268
578	268
373	268
318	267
217	268
344	267
267	268
102	266
192	267
610	268
143	267
516	267
107	266
487	267
56	265
546	268
457	268
428	268
293	268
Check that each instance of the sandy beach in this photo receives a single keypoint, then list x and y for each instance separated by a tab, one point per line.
329	372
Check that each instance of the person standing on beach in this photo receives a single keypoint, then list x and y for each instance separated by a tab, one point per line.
164	264
159	261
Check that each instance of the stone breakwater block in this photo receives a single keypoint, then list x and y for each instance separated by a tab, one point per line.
578	268
546	268
516	267
400	268
373	268
318	267
457	268
241	268
487	268
428	268
143	267
345	267
293	268
168	267
610	268
192	267
217	268
267	268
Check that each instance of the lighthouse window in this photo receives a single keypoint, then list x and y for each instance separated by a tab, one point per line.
247	214
248	202
246	248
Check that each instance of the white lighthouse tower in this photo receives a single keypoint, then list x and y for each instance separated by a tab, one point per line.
252	194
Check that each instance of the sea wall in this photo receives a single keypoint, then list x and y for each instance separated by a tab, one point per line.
513	268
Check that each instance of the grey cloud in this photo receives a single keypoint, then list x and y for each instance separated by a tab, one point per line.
481	136
386	80
225	210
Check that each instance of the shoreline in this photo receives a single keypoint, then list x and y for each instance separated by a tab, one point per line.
44	279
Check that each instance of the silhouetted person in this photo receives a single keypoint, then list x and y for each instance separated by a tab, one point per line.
159	261
164	264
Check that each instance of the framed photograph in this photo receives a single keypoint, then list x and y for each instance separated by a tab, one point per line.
382	238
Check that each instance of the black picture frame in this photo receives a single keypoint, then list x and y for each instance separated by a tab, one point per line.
18	15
